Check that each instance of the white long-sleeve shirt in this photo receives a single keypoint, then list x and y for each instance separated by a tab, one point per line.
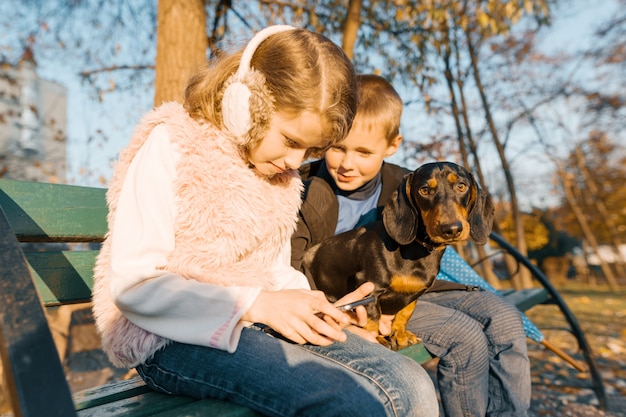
158	301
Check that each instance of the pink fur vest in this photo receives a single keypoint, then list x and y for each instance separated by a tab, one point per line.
230	224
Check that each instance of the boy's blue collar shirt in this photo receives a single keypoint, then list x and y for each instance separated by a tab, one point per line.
362	193
358	207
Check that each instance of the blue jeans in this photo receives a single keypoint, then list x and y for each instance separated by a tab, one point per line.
479	338
276	378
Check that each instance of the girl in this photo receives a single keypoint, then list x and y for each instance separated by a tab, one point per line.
195	265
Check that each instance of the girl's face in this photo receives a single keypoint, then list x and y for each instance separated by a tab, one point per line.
356	160
286	143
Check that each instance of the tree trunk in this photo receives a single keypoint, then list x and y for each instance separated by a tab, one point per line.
584	225
351	27
523	279
610	225
181	47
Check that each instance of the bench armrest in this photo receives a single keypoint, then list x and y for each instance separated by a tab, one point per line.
32	364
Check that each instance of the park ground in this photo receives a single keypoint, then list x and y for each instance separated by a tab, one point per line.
558	389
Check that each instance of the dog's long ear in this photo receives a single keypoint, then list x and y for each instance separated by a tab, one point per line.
481	216
399	216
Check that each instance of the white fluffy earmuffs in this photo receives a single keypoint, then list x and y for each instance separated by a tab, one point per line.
242	87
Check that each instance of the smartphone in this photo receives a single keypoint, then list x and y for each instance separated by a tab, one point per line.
355	304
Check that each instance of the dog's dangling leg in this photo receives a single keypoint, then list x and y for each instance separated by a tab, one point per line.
400	337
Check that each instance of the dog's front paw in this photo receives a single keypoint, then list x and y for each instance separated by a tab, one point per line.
402	339
385	341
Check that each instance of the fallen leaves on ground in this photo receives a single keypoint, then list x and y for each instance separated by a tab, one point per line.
558	388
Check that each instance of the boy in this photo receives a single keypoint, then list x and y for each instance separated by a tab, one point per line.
479	338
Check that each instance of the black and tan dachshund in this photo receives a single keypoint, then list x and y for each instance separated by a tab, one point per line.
436	205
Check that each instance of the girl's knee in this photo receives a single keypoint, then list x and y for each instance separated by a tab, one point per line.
391	390
417	396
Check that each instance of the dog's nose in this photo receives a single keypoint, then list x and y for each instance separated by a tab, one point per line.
451	230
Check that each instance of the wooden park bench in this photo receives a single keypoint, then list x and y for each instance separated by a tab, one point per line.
53	213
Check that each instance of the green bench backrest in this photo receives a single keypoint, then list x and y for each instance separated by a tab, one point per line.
40	212
56	213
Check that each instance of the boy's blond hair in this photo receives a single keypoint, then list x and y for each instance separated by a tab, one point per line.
379	105
302	71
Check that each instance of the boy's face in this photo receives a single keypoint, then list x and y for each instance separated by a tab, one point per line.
359	157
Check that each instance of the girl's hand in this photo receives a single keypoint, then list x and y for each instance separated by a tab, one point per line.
365	334
384	329
303	316
358	316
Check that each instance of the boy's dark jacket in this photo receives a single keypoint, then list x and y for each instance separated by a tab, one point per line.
320	212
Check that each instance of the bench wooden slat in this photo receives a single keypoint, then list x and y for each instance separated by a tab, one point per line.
526	298
217	407
63	277
40	212
111	392
67	277
154	404
417	352
143	405
133	397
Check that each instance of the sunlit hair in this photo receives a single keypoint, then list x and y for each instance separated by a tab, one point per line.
380	106
303	71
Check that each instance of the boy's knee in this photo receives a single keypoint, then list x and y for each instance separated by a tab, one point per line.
508	323
463	332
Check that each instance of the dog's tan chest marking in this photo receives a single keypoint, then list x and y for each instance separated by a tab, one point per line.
407	284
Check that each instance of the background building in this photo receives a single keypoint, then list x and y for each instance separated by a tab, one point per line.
33	120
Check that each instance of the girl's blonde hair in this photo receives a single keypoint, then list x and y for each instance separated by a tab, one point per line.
299	70
379	105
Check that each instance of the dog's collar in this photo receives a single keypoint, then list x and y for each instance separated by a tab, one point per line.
430	246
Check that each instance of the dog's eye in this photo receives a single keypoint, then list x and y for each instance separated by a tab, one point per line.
461	187
425	190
